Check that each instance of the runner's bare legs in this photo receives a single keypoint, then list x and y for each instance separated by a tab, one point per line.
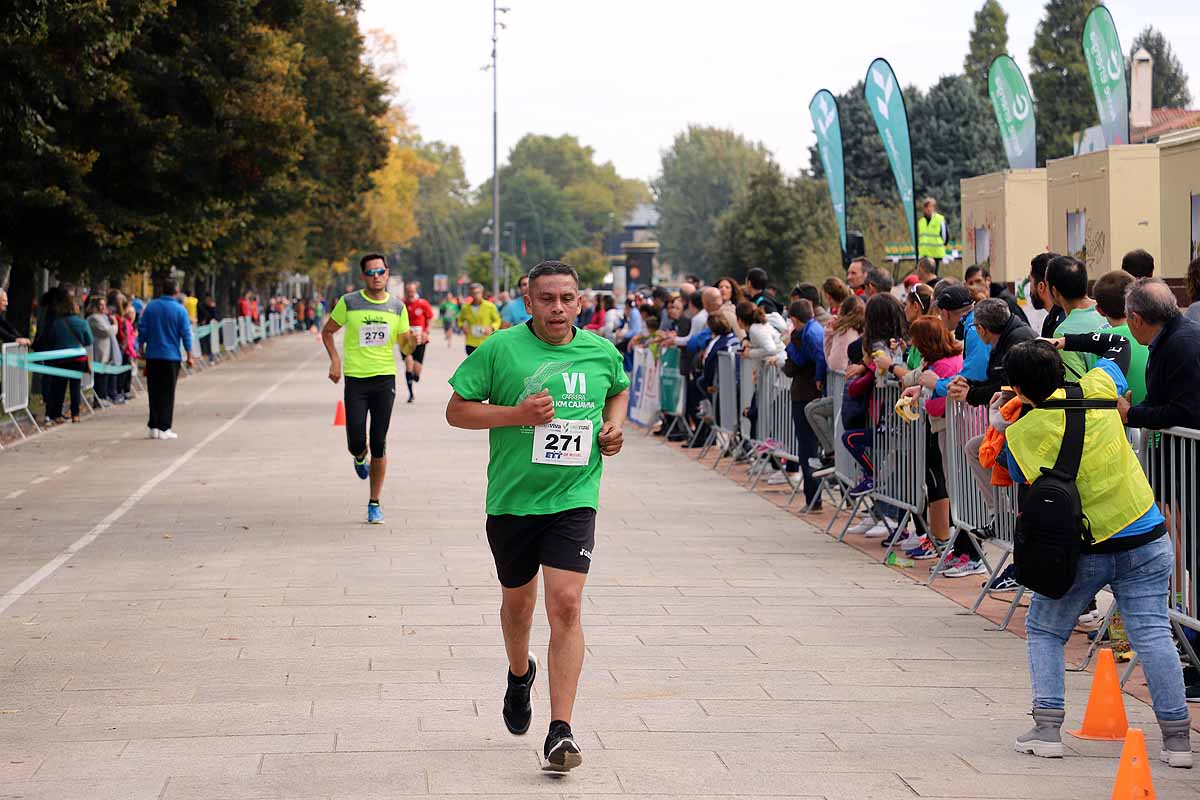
564	599
516	619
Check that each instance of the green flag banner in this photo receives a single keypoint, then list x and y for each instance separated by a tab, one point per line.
1013	106
670	394
1106	67
828	127
886	101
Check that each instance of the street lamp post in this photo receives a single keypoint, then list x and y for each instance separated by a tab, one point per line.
496	26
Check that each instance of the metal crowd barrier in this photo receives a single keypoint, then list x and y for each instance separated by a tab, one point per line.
14	390
898	448
969	510
229	334
725	416
1171	459
776	429
846	471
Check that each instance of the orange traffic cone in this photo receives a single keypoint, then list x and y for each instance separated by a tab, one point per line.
1133	775
339	416
1104	718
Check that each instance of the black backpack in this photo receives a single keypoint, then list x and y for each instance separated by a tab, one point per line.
1051	526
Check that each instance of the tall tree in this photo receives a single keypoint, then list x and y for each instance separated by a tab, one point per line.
989	38
1059	77
954	136
783	226
442	202
703	172
1170	82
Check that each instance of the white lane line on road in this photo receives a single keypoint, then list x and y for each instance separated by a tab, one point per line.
78	459
61	470
14	495
36	481
50	568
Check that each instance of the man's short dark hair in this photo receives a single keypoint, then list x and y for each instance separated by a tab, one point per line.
368	258
552	268
1138	263
976	269
660	293
169	288
801	310
694	280
1067	276
697	300
809	292
757	278
1037	265
1109	292
1035	368
881	279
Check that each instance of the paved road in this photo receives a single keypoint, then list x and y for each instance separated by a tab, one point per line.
230	629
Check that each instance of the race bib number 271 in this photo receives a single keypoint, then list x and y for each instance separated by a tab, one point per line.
563	443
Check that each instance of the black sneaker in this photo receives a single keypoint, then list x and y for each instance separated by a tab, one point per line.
562	753
1006	581
1193	694
517	709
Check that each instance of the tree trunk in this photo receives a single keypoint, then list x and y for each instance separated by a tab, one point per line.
21	289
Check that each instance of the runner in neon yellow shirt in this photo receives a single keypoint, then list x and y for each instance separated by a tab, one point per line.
375	323
479	319
553	398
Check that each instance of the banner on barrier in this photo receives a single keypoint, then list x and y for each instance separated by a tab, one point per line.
644	388
671	386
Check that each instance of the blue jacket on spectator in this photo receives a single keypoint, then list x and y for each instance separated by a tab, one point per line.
810	350
709	378
976	354
163	328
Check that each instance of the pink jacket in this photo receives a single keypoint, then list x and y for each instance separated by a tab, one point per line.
835	347
945	368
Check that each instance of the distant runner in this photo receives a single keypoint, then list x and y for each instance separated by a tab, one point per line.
420	317
554	398
448	312
479	320
375	322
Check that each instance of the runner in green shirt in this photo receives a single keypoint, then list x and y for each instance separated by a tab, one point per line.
375	323
1109	292
448	313
553	398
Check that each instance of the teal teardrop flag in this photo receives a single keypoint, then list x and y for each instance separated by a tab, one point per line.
1013	106
828	127
886	101
1106	67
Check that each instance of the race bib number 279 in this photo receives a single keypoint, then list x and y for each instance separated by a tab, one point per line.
373	334
563	443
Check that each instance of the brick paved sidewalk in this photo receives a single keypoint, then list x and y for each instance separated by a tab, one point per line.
239	633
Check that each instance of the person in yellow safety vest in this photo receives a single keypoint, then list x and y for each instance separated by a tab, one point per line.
932	234
479	320
1129	550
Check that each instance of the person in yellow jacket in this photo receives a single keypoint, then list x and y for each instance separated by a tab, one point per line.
932	234
1130	551
479	319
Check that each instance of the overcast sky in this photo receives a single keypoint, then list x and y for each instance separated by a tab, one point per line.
625	76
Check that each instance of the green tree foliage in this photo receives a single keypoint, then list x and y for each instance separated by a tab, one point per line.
1059	77
590	263
146	134
479	268
442	201
954	136
1170	88
703	172
989	38
782	225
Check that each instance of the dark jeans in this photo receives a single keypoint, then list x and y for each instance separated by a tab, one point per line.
808	449
55	388
161	375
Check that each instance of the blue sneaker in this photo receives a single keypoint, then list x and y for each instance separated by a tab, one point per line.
374	513
362	468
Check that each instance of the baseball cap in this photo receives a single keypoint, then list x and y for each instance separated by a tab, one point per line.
911	281
954	298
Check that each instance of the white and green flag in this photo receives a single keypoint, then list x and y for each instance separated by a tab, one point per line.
828	127
884	98
1106	67
1014	112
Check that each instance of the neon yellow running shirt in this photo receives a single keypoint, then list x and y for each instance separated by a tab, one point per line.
372	329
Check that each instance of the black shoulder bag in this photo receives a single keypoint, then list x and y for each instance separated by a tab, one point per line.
1051	526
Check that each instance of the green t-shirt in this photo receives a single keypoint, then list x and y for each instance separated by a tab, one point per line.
1137	364
372	329
1081	320
448	312
581	375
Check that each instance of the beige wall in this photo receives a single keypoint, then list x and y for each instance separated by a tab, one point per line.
1118	190
1011	205
1179	168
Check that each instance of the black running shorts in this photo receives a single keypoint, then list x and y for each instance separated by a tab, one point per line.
522	544
419	354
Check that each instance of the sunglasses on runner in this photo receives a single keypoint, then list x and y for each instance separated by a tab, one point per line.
374	272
